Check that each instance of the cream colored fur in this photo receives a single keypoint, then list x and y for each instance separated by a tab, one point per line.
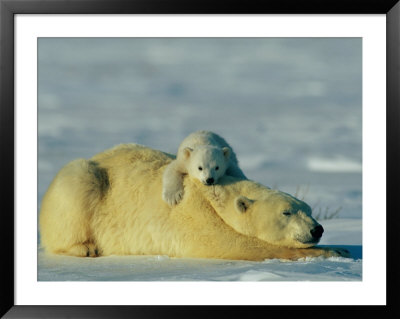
112	205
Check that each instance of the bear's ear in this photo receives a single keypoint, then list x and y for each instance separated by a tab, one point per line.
187	151
226	151
242	204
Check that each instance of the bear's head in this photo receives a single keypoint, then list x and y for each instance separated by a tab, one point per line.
206	163
258	211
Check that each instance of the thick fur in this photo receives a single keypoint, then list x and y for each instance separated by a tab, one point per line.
111	205
203	155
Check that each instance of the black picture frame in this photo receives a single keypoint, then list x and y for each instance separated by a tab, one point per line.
8	10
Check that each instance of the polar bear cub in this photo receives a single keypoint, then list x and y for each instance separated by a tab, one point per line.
203	155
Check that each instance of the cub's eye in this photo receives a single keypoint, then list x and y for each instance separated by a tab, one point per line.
217	168
200	168
287	213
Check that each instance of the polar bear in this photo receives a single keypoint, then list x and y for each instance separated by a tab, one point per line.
203	155
110	205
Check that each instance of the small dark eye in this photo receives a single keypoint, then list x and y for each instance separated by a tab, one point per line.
287	213
217	168
200	168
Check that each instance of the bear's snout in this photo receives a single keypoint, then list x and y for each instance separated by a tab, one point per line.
317	231
210	181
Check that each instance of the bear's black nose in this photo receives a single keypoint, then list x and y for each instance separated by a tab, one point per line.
210	181
317	231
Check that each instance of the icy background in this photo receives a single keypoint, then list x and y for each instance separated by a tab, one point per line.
290	107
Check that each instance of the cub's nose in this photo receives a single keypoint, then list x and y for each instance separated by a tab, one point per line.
317	231
210	181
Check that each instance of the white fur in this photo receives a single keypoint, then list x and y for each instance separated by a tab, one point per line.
203	155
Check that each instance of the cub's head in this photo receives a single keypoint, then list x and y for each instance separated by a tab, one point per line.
273	216
206	163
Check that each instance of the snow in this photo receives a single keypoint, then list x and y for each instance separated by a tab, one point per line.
333	165
290	107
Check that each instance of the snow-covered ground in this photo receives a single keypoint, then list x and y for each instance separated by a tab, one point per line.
290	107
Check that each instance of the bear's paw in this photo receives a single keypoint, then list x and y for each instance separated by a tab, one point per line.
172	197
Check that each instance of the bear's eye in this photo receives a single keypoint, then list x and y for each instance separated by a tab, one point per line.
286	213
200	168
217	168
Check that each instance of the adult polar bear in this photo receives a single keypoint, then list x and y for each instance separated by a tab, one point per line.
112	205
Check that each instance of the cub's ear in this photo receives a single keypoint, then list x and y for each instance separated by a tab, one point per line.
187	151
226	151
242	204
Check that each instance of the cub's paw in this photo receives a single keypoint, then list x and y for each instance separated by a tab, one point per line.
172	197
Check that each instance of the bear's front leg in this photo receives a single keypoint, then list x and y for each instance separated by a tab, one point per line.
322	251
172	192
